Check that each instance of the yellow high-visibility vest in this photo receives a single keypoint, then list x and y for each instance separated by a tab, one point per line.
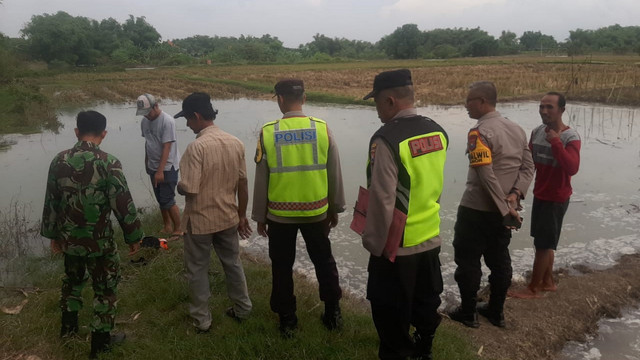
419	147
296	151
427	180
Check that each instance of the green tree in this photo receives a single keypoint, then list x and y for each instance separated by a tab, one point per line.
508	43
616	39
611	39
198	45
446	43
127	53
482	47
479	43
60	37
403	43
339	48
107	36
445	51
140	32
580	41
246	49
9	63
532	41
324	44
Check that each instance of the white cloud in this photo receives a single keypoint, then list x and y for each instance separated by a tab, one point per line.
295	22
432	7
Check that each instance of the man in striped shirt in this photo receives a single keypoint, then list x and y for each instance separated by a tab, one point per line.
556	154
213	173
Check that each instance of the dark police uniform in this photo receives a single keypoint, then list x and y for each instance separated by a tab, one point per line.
405	171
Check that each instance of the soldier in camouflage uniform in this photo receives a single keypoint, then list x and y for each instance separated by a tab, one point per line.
84	186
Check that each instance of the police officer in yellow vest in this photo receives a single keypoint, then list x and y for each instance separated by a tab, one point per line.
405	172
298	186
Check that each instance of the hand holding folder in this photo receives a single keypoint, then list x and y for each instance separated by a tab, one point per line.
396	230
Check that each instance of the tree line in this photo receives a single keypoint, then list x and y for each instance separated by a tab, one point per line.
64	40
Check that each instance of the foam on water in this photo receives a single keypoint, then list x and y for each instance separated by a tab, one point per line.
616	339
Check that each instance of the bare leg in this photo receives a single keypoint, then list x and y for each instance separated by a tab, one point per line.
539	268
547	281
166	220
174	213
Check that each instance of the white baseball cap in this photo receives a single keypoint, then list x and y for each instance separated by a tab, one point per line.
146	102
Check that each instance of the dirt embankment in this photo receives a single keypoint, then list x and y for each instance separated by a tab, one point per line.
539	328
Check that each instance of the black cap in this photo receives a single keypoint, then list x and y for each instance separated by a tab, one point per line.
197	102
289	87
388	80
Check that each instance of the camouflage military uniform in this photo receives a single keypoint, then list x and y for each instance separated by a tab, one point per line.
84	186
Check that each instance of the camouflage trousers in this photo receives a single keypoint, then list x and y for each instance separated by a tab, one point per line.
105	275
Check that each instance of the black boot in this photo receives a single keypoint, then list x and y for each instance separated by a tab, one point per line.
495	316
69	322
288	325
423	345
100	342
332	316
467	318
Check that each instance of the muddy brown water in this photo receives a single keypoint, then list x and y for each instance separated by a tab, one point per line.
602	222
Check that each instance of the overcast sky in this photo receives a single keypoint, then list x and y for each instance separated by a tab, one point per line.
295	22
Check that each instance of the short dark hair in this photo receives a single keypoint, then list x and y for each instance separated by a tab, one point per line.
293	98
91	123
487	90
291	90
562	102
403	92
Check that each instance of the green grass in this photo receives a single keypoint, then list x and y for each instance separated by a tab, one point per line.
247	85
152	310
24	110
317	97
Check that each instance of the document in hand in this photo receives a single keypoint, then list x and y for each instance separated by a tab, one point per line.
396	230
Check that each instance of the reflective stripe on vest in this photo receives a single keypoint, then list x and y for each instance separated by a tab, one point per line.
296	152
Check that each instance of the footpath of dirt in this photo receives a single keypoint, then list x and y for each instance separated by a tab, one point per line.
539	328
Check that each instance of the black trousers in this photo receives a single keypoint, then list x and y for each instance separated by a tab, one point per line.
404	293
481	234
282	252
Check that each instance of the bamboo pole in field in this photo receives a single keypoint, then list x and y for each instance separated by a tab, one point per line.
594	115
619	135
615	82
633	115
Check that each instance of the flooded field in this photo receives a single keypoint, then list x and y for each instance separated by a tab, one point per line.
602	223
616	339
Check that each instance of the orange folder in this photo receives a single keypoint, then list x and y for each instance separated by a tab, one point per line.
396	230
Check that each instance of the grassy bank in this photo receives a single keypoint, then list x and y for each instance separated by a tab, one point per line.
152	311
603	79
24	109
